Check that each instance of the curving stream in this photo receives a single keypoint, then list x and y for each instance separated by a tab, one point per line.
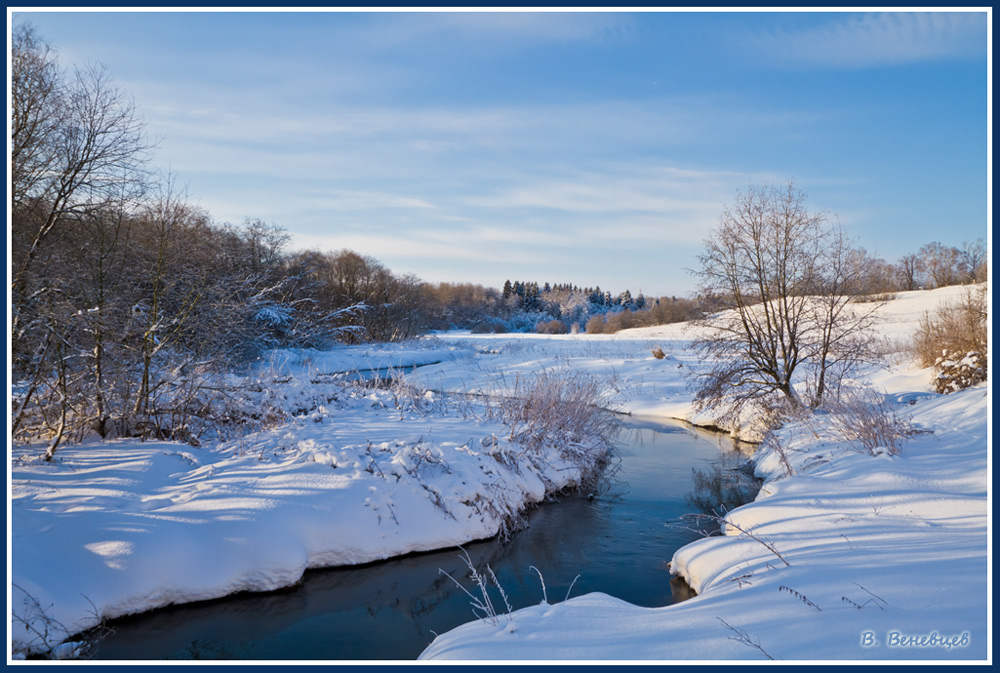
619	542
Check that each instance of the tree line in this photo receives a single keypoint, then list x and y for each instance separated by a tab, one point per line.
933	265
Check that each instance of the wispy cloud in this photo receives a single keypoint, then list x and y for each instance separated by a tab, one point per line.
399	246
340	199
622	189
421	144
875	40
491	29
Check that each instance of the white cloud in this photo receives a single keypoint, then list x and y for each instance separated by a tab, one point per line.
880	40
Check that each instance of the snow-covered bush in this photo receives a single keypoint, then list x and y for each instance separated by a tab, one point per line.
956	371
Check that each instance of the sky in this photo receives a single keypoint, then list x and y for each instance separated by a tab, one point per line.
584	147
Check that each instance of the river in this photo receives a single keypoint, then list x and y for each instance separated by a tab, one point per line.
616	541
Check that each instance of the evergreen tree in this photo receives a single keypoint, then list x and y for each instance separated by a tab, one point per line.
625	299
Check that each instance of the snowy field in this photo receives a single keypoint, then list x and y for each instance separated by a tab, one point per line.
878	558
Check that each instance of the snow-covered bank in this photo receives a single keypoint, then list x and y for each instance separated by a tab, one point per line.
360	474
874	547
876	558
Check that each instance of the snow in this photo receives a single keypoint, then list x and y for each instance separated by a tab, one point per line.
125	526
866	546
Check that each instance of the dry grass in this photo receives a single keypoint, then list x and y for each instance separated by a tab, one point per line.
880	298
561	410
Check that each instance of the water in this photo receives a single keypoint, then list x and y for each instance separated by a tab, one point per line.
619	542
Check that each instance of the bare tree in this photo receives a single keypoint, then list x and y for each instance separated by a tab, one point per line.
171	280
877	275
839	332
103	288
942	263
910	269
36	110
974	261
784	279
99	148
759	262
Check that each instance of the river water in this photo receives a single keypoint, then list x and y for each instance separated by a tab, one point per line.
617	541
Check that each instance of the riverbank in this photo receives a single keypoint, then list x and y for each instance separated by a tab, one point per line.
357	472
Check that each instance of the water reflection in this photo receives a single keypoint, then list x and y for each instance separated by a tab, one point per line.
617	539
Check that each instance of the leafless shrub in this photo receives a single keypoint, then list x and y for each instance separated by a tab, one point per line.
551	327
871	424
773	440
596	325
880	298
45	637
497	507
957	372
554	410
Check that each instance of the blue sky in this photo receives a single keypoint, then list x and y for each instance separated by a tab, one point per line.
582	147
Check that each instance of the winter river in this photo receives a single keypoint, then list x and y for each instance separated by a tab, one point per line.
618	542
